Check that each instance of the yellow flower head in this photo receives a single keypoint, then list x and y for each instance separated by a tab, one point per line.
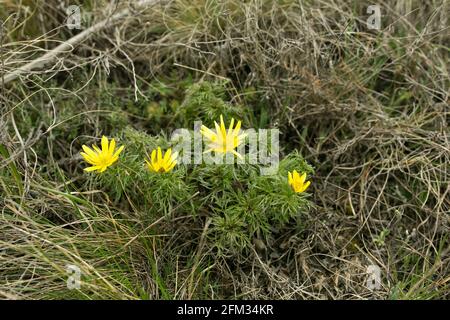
297	182
101	159
158	163
222	141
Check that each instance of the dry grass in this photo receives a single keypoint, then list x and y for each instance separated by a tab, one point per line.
368	109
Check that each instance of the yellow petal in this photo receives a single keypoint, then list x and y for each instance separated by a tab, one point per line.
159	154
92	168
153	156
171	166
159	158
87	158
104	144
242	136
302	179
218	131
237	154
169	162
113	159
238	127
305	186
116	154
207	132
112	146
89	151
167	155
230	128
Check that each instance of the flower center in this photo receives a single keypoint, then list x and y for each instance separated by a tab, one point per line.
103	159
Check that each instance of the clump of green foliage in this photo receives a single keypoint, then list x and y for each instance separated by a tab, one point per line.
238	202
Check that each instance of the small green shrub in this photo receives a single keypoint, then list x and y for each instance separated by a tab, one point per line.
238	201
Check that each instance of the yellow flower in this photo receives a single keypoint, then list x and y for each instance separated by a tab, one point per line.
101	159
222	141
297	182
158	163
